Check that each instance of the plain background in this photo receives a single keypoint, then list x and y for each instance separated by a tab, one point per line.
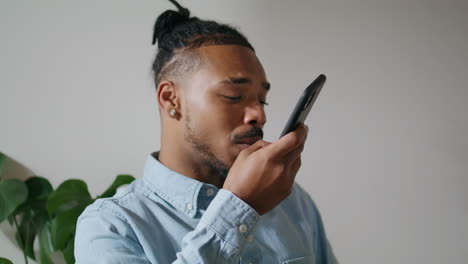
387	155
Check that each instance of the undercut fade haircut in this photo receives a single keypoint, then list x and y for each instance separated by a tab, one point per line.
178	35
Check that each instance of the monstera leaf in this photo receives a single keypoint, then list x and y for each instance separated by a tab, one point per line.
37	211
13	193
119	181
5	261
45	245
69	194
33	213
3	158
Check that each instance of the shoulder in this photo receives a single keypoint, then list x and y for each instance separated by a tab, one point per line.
113	216
302	197
117	206
106	225
302	208
300	203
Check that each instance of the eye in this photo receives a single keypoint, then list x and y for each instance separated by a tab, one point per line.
233	98
264	103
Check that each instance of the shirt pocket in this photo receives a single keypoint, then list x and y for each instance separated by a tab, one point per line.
300	260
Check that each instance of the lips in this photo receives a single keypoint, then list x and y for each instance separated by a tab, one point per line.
248	141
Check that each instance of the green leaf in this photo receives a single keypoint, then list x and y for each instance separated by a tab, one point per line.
13	192
10	219
68	252
63	227
68	195
27	233
5	261
38	192
3	158
119	181
45	245
33	213
39	188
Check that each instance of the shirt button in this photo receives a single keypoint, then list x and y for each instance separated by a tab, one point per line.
243	228
189	206
250	238
209	192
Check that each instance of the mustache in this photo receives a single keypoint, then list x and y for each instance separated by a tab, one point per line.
254	132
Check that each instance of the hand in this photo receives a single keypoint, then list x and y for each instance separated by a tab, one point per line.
263	173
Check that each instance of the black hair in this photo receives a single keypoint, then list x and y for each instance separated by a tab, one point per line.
178	33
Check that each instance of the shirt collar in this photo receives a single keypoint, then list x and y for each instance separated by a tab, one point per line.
180	191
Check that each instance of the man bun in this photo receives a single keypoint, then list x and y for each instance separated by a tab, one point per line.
168	20
178	34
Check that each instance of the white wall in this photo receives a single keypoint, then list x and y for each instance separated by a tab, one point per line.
387	155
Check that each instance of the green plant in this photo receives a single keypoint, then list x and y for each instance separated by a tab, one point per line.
5	261
35	210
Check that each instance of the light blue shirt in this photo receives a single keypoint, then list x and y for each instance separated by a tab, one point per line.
166	217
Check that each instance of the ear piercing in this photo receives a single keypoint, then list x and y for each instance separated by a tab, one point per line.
173	112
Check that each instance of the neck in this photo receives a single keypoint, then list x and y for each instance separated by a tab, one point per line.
188	163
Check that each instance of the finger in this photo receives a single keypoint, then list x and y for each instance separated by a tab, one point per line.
295	168
287	143
293	155
254	147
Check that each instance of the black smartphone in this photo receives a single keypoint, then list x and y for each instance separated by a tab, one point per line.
304	104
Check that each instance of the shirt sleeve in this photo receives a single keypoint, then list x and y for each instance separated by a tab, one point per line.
222	233
220	237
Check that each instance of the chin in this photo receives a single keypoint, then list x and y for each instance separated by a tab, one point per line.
230	160
234	152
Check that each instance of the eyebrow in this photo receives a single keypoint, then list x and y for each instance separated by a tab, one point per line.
241	80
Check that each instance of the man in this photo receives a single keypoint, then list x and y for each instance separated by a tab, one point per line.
215	192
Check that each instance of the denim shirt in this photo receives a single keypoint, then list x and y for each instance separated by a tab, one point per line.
166	217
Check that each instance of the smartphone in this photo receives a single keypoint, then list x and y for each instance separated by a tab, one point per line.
304	104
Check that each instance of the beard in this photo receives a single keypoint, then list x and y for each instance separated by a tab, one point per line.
208	158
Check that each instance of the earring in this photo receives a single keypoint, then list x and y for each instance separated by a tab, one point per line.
173	112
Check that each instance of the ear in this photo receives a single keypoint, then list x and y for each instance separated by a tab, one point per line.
168	98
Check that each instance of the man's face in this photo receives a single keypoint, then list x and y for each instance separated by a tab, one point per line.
223	105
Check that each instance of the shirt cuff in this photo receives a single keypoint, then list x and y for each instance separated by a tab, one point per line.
231	218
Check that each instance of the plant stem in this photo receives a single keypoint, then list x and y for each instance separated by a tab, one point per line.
21	240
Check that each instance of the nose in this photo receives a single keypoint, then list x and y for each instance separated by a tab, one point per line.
255	115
